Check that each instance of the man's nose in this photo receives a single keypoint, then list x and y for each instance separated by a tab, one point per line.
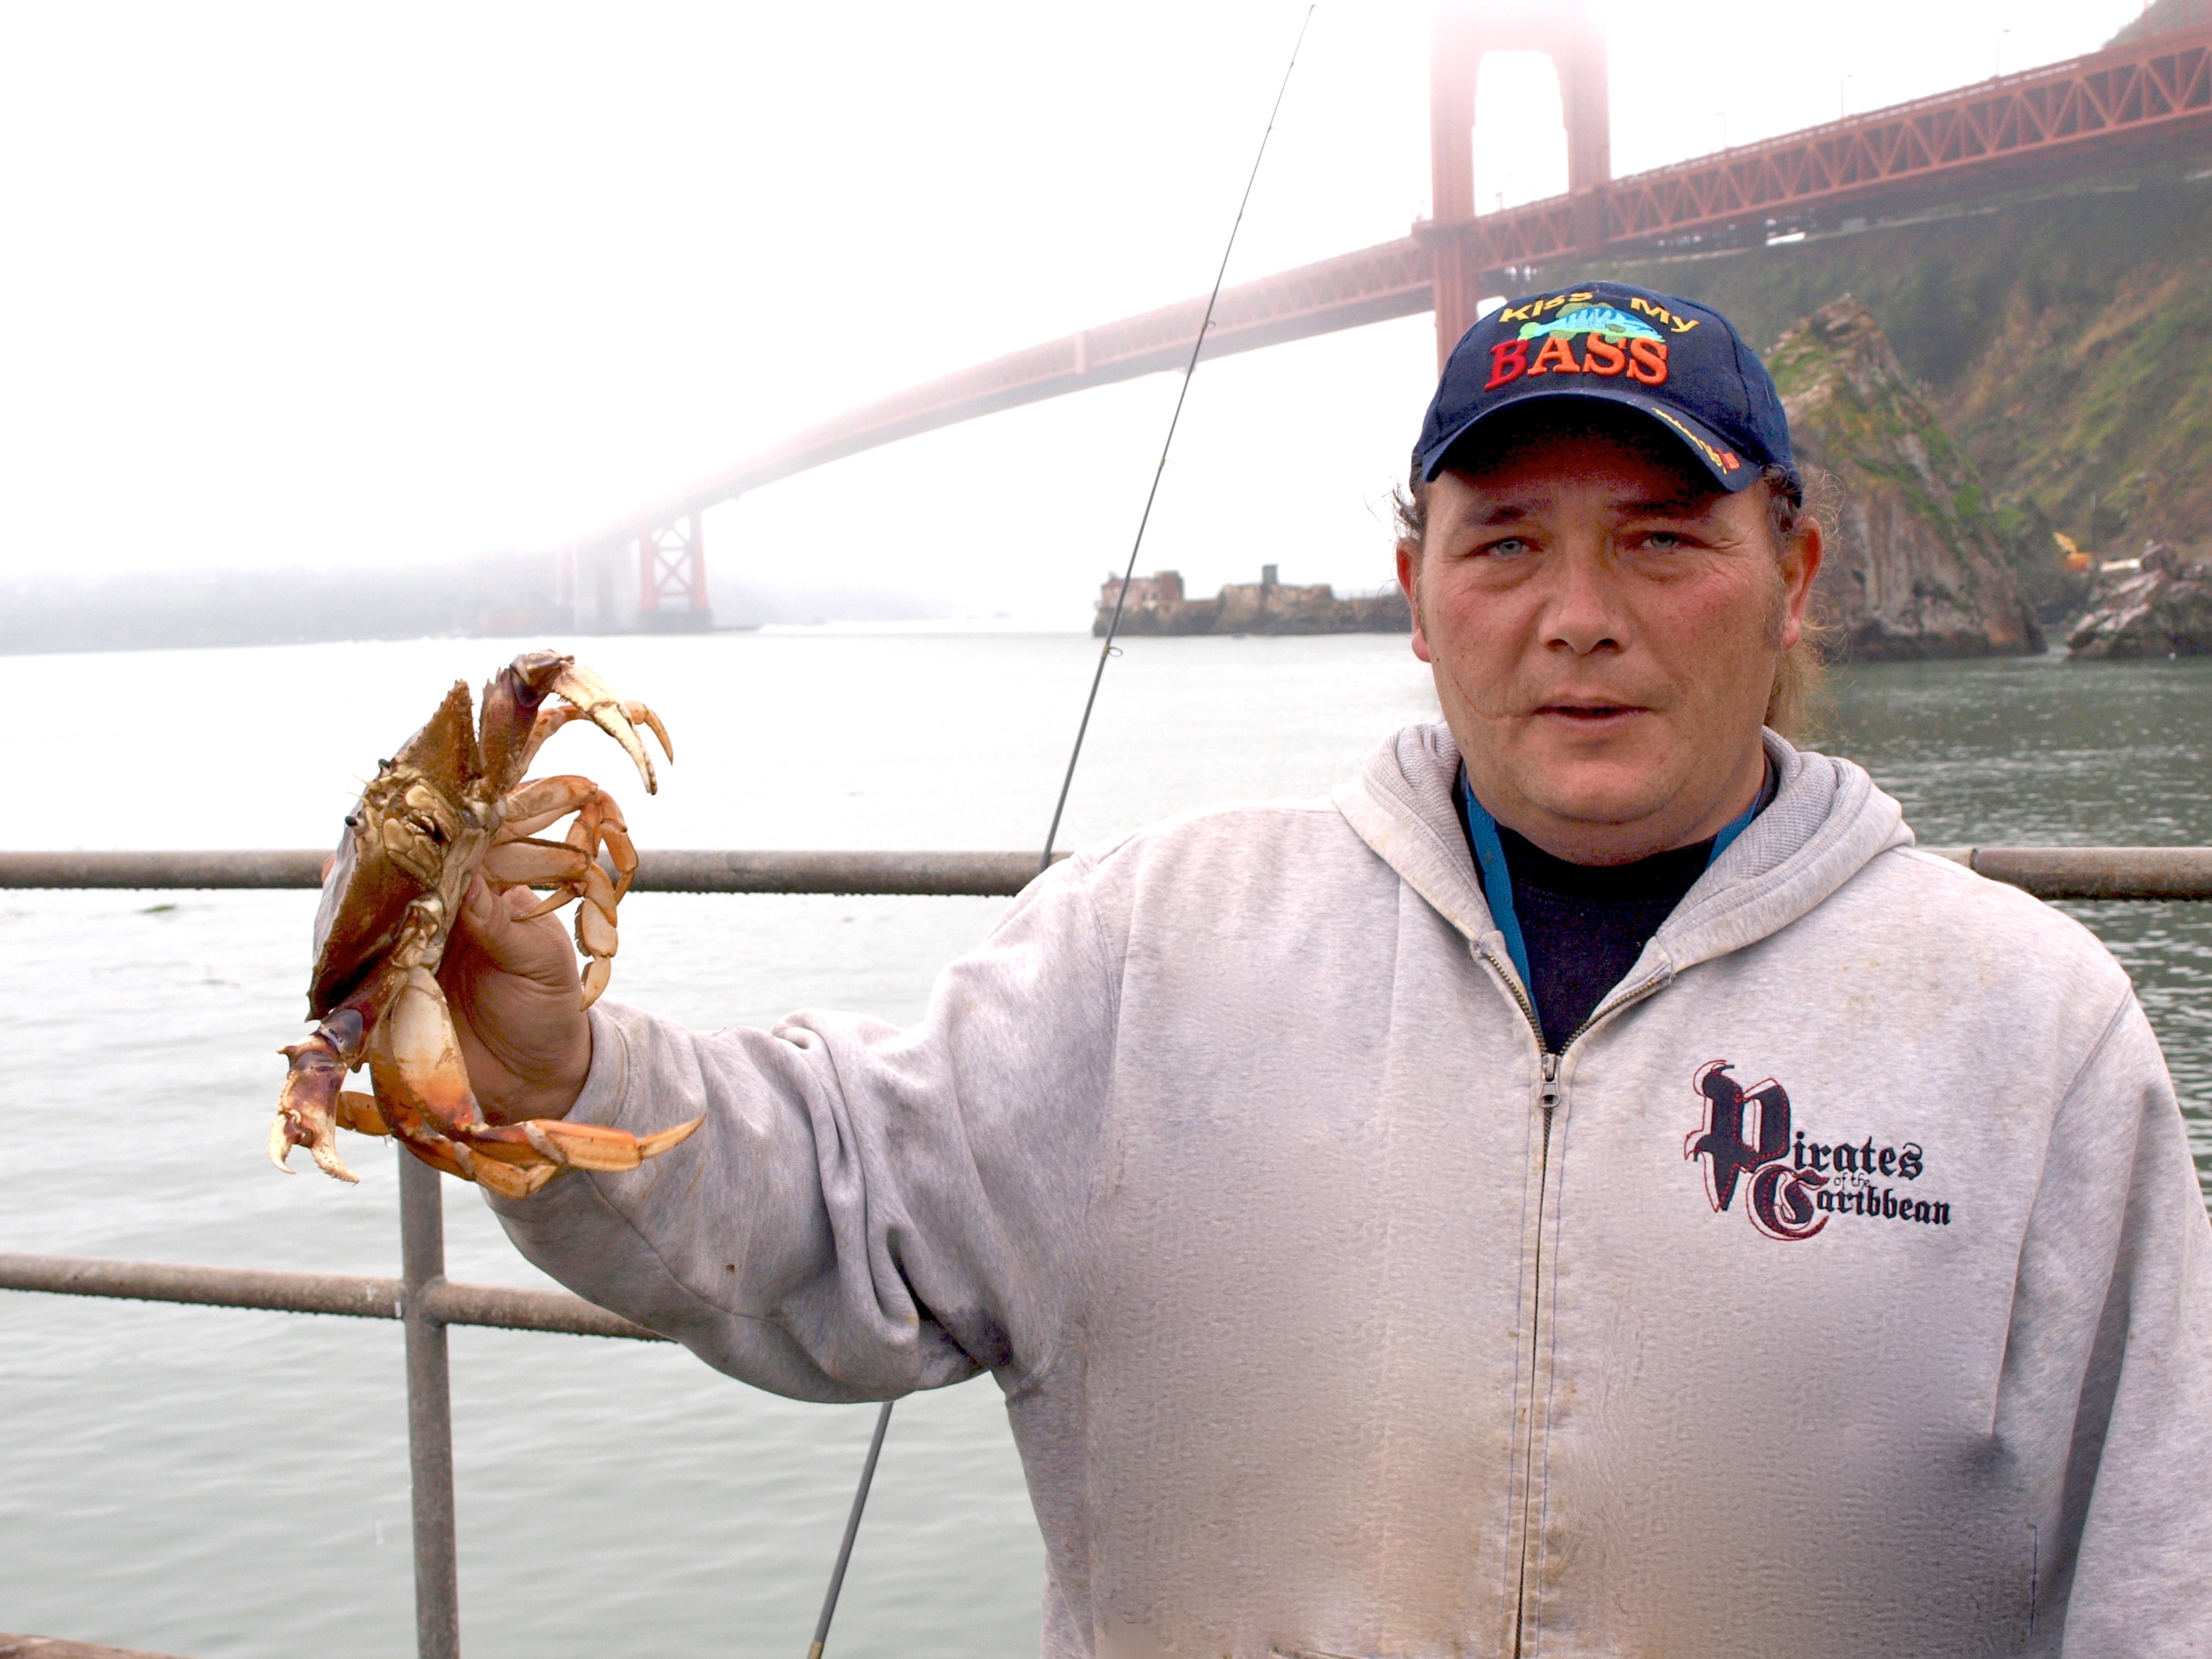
1583	614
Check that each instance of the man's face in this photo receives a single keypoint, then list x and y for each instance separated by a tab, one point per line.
1604	624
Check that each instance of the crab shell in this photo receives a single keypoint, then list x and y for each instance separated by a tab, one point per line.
422	827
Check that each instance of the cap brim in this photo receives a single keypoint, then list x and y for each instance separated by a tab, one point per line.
1729	470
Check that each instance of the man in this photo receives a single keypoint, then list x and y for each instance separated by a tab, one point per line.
1591	1188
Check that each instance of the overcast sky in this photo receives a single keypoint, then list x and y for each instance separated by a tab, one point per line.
340	284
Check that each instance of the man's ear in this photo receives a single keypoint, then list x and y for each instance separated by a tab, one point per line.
1409	579
1800	563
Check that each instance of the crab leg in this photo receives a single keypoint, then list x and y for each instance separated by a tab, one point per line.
527	861
600	827
360	1113
568	1146
552	901
595	932
531	863
531	806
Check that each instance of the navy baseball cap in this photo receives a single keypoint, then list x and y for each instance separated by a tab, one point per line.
1680	362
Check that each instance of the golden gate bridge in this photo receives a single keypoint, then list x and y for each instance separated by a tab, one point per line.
2144	101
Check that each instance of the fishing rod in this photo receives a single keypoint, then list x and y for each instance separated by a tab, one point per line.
1129	571
1075	754
852	1531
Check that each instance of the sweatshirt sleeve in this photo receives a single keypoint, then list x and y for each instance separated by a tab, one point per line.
865	1211
2118	1270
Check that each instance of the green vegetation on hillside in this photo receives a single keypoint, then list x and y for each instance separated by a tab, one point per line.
1873	424
2065	343
1917	563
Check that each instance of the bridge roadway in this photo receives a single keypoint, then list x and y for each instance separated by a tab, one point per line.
2142	102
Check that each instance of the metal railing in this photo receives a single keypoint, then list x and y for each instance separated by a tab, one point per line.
425	1301
983	875
2048	873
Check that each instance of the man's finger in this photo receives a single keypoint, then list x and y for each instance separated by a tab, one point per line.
535	950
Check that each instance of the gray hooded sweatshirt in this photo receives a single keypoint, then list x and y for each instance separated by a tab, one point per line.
1840	1288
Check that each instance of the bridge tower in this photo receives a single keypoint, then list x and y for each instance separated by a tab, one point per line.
1465	30
672	576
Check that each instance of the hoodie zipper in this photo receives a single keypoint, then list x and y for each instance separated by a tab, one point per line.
1548	1100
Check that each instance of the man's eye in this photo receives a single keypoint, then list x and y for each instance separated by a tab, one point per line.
1663	541
1509	546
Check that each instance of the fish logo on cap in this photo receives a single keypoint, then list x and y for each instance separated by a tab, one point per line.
1614	326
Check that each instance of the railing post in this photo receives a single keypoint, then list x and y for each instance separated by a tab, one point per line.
429	1413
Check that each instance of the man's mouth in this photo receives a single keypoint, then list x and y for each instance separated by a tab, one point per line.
1590	711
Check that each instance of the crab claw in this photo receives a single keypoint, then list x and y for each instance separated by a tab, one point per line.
326	1154
580	686
641	715
290	1130
306	1111
281	1143
303	1126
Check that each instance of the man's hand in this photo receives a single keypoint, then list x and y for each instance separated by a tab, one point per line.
516	1000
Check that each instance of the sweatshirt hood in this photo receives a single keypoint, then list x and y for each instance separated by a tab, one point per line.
1827	822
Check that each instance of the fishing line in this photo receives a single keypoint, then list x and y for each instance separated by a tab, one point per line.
1129	572
1074	754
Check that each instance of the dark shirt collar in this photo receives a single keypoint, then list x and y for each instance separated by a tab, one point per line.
1672	873
1644	892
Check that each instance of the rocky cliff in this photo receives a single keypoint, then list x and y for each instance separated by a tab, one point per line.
1916	564
2160	608
2066	343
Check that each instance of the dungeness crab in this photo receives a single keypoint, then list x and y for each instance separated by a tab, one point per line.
450	805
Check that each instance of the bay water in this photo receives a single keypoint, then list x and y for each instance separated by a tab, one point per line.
230	1485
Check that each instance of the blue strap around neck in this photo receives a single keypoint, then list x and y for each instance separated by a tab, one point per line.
1498	877
1738	825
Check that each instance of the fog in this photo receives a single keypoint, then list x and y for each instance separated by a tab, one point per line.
340	285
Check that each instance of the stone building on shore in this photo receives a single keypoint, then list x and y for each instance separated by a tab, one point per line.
1157	605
